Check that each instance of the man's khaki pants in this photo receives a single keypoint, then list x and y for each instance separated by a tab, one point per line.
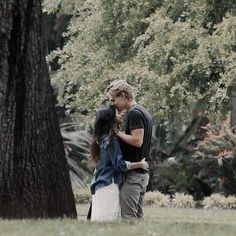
132	194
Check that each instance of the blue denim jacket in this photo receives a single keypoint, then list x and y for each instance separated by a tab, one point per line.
109	166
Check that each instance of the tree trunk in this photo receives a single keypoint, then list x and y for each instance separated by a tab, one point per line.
34	178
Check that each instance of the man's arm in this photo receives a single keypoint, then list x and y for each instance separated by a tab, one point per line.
134	139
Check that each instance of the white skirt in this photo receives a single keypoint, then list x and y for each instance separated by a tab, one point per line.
106	203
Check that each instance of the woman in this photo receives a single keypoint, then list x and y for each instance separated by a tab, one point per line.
106	153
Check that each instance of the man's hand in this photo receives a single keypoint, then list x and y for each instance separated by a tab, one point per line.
145	165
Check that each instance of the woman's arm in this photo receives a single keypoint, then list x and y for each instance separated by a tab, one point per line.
115	154
135	165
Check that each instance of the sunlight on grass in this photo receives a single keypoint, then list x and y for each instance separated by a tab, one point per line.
158	221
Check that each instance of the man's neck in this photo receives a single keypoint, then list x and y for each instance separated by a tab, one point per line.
130	104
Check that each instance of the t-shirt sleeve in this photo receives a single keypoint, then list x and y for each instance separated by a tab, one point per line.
135	120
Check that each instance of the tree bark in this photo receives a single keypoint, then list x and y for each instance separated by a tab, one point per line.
34	178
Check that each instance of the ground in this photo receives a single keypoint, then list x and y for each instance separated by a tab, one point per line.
158	221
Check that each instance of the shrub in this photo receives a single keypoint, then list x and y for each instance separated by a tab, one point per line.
83	196
202	167
230	202
182	200
156	199
219	143
214	201
220	147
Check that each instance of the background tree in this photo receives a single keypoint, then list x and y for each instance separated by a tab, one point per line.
171	50
34	178
176	52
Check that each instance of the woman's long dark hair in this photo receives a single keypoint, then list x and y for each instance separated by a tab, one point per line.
104	124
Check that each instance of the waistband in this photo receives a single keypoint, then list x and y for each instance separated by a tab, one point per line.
140	171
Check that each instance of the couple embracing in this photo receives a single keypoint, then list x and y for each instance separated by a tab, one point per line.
121	174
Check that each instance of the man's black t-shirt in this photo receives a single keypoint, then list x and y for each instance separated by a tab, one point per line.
137	118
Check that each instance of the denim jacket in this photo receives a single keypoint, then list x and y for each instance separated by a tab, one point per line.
110	165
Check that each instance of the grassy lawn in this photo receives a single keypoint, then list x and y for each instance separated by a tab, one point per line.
158	221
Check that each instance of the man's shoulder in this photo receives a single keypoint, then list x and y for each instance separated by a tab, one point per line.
136	109
139	110
133	113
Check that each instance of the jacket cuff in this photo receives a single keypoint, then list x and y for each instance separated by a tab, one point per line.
128	164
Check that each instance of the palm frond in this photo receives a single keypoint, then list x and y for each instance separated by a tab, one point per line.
77	146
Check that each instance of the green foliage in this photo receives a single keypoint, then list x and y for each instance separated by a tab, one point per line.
216	10
182	10
122	22
219	143
172	61
209	167
176	52
77	144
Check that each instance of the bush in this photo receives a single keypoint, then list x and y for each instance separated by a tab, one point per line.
200	167
156	199
182	200
219	201
230	202
83	196
214	201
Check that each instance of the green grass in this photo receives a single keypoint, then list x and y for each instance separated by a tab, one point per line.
158	221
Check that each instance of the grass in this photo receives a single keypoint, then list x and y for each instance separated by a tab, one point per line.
158	221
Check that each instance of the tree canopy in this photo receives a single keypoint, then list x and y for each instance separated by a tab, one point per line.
176	53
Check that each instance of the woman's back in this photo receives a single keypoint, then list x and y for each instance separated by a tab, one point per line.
109	165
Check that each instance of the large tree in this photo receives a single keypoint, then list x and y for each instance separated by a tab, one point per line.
34	178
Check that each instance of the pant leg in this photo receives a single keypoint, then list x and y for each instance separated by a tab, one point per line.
140	204
129	198
132	194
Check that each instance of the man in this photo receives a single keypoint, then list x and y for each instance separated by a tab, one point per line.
135	145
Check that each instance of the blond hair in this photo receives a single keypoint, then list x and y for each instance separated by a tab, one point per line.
117	87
